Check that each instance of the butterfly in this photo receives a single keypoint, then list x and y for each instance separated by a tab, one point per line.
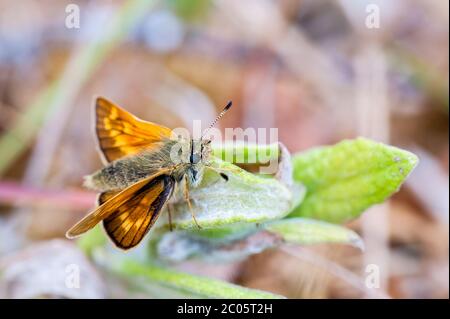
144	163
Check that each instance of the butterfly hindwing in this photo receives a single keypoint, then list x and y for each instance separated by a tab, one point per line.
109	202
105	196
120	133
129	222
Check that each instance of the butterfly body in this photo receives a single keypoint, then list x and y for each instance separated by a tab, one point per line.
144	163
128	170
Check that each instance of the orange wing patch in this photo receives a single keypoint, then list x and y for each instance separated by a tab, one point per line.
114	201
120	133
132	220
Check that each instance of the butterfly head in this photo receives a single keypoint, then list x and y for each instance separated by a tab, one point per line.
199	157
201	152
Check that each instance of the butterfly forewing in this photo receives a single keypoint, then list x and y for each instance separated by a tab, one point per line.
129	223
120	133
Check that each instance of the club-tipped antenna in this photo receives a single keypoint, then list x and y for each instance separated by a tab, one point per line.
225	109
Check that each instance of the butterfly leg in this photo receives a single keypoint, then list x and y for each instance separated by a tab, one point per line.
188	200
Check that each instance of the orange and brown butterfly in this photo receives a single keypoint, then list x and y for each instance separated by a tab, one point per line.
140	173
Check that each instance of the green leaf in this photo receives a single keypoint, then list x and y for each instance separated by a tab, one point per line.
345	179
303	231
239	242
182	245
244	198
191	285
225	233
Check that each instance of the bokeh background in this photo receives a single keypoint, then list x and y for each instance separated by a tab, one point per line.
312	68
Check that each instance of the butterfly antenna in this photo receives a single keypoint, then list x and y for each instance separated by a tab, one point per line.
225	109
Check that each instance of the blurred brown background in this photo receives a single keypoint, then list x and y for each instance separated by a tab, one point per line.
320	71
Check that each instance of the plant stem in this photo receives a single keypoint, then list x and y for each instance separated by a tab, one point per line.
85	61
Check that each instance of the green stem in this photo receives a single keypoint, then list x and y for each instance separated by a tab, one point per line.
190	284
249	153
65	88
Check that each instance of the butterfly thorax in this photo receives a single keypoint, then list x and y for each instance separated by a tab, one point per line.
178	158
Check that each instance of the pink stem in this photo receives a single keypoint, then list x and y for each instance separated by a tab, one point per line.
16	194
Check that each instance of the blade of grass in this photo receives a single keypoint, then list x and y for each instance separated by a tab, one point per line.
64	89
191	284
